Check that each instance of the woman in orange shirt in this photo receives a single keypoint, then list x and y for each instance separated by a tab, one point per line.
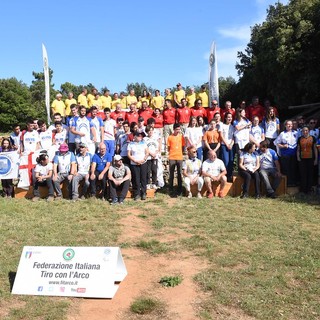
211	139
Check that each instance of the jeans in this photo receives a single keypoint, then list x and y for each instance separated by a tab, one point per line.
247	175
61	178
152	166
139	179
47	182
75	185
227	156
265	174
173	164
93	184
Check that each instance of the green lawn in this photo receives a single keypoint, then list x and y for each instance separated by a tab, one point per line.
263	255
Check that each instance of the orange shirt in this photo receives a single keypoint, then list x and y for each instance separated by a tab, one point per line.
211	136
175	144
306	147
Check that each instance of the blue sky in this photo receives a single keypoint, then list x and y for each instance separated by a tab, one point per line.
112	43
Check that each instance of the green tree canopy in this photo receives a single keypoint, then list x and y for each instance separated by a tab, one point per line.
281	60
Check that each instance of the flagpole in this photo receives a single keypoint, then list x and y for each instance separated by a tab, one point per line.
46	81
213	74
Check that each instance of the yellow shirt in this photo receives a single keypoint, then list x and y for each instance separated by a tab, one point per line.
170	97
58	107
180	94
90	98
82	100
145	99
115	102
157	102
191	98
106	101
97	103
204	98
123	102
131	99
68	103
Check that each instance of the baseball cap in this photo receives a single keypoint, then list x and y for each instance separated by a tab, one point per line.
117	157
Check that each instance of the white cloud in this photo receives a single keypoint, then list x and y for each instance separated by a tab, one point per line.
242	33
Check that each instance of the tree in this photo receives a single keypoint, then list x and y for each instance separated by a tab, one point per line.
281	60
138	88
15	103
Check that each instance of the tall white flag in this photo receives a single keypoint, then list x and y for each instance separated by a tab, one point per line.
46	81
213	75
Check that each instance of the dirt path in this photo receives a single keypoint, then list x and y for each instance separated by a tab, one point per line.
144	273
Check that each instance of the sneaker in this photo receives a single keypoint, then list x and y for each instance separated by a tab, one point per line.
189	194
153	186
144	197
257	196
199	195
220	194
244	195
120	202
114	202
149	186
58	198
210	195
83	198
50	198
272	195
137	197
35	199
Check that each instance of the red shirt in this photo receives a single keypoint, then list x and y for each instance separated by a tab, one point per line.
159	121
198	111
169	116
211	112
183	115
132	116
118	114
253	111
224	111
145	114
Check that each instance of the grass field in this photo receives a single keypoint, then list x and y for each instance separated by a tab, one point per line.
263	256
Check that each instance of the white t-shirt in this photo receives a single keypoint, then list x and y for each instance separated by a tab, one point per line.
138	150
153	146
43	170
213	167
194	134
45	139
227	131
109	126
30	140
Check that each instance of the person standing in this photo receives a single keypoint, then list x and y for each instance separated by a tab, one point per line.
58	106
178	95
157	101
7	184
191	97
169	119
176	144
138	154
82	98
307	155
203	96
69	102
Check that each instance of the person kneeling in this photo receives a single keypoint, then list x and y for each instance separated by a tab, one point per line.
43	177
119	177
214	170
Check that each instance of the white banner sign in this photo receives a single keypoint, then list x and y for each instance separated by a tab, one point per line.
213	75
93	272
9	165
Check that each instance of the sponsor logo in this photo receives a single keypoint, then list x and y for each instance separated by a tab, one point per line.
5	165
28	254
68	254
62	289
81	290
40	289
50	289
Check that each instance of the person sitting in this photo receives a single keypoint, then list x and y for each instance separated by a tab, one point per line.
214	170
83	164
191	170
100	164
269	166
248	168
43	177
63	169
119	177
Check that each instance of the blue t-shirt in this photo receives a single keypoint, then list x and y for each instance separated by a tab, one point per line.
101	161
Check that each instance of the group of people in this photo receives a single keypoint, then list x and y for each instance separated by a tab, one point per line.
203	144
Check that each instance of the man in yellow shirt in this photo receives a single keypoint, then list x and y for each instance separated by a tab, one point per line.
82	98
191	97
115	101
58	105
97	102
157	101
204	96
131	98
168	95
106	99
68	102
178	95
123	100
91	96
